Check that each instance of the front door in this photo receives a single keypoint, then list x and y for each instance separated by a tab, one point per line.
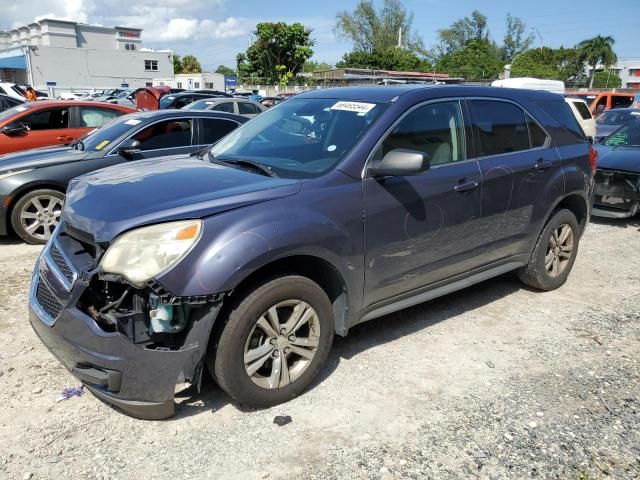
420	229
45	127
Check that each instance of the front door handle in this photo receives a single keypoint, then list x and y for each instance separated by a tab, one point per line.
465	187
542	165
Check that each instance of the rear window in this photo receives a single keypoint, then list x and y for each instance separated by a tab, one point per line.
561	113
583	110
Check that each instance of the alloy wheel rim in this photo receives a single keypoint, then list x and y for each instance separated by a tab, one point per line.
282	344
40	216
559	250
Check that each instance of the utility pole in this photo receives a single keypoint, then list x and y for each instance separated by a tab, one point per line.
400	37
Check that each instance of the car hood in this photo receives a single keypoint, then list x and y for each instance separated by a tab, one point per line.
39	157
108	202
619	158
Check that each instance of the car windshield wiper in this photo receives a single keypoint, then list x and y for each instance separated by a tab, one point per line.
249	164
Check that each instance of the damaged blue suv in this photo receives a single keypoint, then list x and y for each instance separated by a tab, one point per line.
335	207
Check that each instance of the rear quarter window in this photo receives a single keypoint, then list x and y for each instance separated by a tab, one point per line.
583	110
561	113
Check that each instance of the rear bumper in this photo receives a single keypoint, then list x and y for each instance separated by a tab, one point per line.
139	379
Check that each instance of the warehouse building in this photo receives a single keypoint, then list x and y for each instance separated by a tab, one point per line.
61	54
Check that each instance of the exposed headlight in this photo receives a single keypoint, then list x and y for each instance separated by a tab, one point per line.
16	172
141	254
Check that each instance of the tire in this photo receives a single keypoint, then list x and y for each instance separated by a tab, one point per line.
549	265
36	215
249	330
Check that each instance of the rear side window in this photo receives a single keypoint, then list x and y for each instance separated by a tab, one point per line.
501	127
561	113
583	110
224	107
247	109
50	119
214	129
91	117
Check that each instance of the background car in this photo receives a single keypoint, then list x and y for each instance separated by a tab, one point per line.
610	121
617	191
270	101
33	183
609	100
7	102
41	124
583	115
12	90
239	106
179	100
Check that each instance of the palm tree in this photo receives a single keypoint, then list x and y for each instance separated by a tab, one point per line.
597	51
190	64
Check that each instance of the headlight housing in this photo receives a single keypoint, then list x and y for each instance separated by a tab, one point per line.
143	253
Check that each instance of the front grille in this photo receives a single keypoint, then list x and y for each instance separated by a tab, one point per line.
61	263
48	300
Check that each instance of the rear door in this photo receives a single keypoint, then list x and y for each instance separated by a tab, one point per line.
46	127
87	118
227	107
516	162
421	229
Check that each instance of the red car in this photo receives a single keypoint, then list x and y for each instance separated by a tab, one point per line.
46	123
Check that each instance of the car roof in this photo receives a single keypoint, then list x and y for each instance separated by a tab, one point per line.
172	112
390	93
70	103
623	110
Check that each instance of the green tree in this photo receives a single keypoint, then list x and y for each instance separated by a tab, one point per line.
177	64
226	71
277	48
387	59
370	30
555	64
606	79
515	41
479	59
597	51
311	66
460	33
190	64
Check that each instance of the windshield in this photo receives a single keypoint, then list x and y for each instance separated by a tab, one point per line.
613	117
12	111
301	138
166	101
100	138
628	135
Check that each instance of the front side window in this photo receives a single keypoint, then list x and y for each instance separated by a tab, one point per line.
167	134
583	110
223	107
214	129
501	127
436	129
303	137
91	117
49	119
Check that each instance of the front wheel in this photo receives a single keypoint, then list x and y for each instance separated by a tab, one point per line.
37	214
275	342
554	253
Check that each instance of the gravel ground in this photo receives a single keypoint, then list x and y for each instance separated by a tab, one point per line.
496	381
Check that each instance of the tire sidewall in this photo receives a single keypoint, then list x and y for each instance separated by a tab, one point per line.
241	322
16	224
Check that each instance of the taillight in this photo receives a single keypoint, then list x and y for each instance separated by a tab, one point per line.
593	158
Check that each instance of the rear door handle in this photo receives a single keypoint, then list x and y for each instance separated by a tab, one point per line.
542	165
465	187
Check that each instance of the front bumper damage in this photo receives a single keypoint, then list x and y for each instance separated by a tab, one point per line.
115	353
617	194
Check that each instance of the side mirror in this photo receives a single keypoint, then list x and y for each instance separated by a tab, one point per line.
400	163
129	147
14	129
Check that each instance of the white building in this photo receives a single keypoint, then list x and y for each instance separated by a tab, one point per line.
193	81
65	54
627	70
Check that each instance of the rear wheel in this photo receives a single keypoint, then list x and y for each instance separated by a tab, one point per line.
37	214
554	253
275	342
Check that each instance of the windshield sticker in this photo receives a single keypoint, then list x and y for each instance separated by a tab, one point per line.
357	107
331	148
132	122
103	144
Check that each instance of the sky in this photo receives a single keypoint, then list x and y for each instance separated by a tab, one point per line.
215	31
